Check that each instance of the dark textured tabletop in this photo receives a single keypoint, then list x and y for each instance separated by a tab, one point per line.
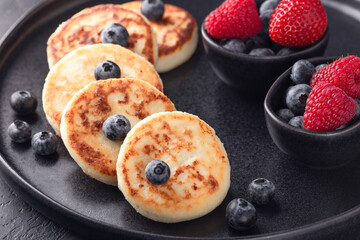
18	220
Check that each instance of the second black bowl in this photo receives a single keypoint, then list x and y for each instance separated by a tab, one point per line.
314	149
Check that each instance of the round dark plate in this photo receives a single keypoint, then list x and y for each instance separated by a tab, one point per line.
309	204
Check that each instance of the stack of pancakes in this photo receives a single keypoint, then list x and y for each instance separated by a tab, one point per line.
76	106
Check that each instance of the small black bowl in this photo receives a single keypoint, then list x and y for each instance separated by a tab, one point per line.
314	149
253	75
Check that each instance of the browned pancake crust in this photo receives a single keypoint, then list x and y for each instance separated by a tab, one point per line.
71	35
176	23
93	103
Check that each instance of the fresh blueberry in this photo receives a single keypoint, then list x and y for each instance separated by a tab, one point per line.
302	72
258	41
44	143
116	127
19	131
261	191
297	122
107	69
295	98
285	51
152	9
157	172
265	18
318	67
268	5
23	102
259	2
240	214
285	114
357	113
115	33
235	45
261	52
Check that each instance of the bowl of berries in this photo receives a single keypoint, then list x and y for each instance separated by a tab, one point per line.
312	111
249	48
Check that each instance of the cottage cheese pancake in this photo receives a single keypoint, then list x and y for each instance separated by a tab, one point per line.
84	28
81	124
76	70
176	34
200	170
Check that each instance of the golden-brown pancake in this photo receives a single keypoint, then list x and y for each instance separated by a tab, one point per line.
81	124
76	70
200	169
176	34
85	27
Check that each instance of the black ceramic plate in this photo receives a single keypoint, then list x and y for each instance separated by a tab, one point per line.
309	204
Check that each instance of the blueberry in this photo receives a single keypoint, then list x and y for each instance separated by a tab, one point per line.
157	172
240	214
44	143
261	52
302	72
116	127
258	41
318	67
285	114
19	131
23	102
235	45
115	33
265	18
107	69
268	5
297	122
285	51
357	113
259	2
296	96
152	9
261	191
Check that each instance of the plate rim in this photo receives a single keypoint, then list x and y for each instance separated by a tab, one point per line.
59	213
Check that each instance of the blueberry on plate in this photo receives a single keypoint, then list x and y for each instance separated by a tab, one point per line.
152	9
107	69
19	131
116	127
285	114
258	41
44	143
302	72
157	172
235	45
261	191
261	52
285	51
318	67
23	102
240	214
296	96
297	121
115	33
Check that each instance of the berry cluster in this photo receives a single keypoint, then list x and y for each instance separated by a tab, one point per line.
276	29
241	214
322	97
24	103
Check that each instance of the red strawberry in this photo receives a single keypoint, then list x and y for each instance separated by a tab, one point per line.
296	23
343	73
327	108
234	19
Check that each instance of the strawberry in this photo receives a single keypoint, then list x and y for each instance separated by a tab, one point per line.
234	19
327	108
296	23
343	73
